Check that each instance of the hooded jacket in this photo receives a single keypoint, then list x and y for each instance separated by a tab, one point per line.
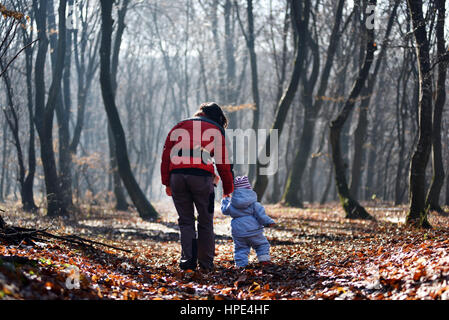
248	215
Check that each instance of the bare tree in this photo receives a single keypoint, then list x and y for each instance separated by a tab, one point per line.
300	13
433	196
143	206
351	206
312	108
417	215
45	109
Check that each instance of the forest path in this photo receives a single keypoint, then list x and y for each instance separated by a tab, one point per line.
316	253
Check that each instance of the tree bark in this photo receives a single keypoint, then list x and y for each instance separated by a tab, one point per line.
218	51
45	111
300	27
4	162
63	115
13	124
119	192
400	128
231	78
27	188
447	190
143	206
292	194
120	197
352	208
433	197
249	36
417	215
362	125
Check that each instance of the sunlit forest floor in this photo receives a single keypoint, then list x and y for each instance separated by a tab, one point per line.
317	254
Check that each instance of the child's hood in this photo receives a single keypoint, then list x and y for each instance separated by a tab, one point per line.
243	198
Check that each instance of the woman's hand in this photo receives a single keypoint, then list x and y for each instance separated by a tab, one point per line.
216	180
168	191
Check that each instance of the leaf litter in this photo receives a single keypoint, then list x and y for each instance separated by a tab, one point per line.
316	254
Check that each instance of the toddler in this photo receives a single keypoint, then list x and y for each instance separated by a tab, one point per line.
248	221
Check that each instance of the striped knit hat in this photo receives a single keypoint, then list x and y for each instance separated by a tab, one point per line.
242	182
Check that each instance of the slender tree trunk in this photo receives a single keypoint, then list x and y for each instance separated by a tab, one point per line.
119	192
218	52
372	156
417	215
62	113
362	125
27	188
45	111
63	116
352	208
250	44
433	197
292	194
300	26
231	78
447	190
313	165
4	157
13	123
120	197
359	142
401	124
143	206
325	194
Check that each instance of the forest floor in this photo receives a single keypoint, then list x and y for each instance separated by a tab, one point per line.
316	253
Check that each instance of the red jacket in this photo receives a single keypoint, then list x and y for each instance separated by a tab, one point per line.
193	143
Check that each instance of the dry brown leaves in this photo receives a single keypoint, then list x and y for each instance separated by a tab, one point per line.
317	254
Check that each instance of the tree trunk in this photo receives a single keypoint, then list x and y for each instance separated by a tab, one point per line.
45	111
417	215
401	125
231	79
4	157
119	192
362	125
433	197
143	206
359	142
325	194
352	208
12	119
447	190
218	52
27	188
300	27
63	116
292	194
250	44
120	197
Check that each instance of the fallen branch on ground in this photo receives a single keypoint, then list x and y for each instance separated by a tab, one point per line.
17	235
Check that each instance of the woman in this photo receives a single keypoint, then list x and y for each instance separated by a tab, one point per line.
187	171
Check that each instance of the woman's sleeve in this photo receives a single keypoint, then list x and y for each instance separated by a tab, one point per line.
225	169
165	163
